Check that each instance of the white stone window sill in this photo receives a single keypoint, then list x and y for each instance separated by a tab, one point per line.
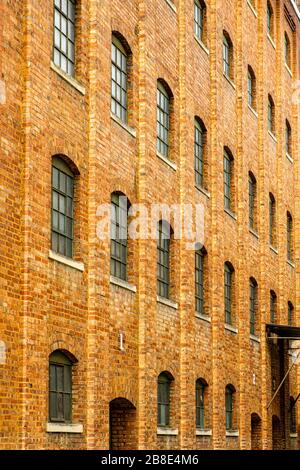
167	161
288	70
255	338
293	435
66	261
200	316
232	214
229	81
232	433
167	302
271	40
252	8
64	428
254	233
171	5
122	124
121	283
201	44
253	111
203	432
231	328
274	250
167	432
289	158
68	78
272	136
290	263
203	191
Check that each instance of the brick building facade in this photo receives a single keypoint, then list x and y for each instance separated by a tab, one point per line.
118	334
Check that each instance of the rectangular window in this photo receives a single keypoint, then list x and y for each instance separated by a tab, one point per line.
252	201
273	307
229	410
289	238
252	307
64	35
199	280
226	57
163	261
163	403
163	120
60	393
200	422
119	80
199	155
227	181
62	212
228	295
118	255
272	221
198	19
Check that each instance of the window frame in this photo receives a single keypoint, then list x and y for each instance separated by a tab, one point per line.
163	119
58	360
201	387
273	307
289	238
119	68
229	407
272	220
199	152
69	35
228	293
119	236
68	196
200	20
200	256
163	259
287	50
252	201
271	115
228	180
253	305
163	400
288	138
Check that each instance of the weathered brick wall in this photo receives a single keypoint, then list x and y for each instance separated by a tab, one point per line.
46	305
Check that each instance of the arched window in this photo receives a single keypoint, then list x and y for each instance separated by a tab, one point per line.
163	118
163	259
273	307
64	35
228	180
164	399
270	20
228	292
227	56
272	220
289	237
251	88
62	207
252	201
201	386
200	275
60	387
271	115
290	314
199	149
253	305
119	235
287	50
200	20
288	138
119	77
229	406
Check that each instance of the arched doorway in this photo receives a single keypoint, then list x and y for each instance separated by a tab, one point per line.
277	439
256	432
122	425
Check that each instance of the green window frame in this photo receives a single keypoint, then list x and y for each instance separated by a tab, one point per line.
252	201
62	208
228	170
119	80
199	146
64	35
60	388
229	407
199	280
252	305
272	219
199	19
228	293
163	120
163	259
271	115
119	236
273	307
289	237
163	400
200	404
